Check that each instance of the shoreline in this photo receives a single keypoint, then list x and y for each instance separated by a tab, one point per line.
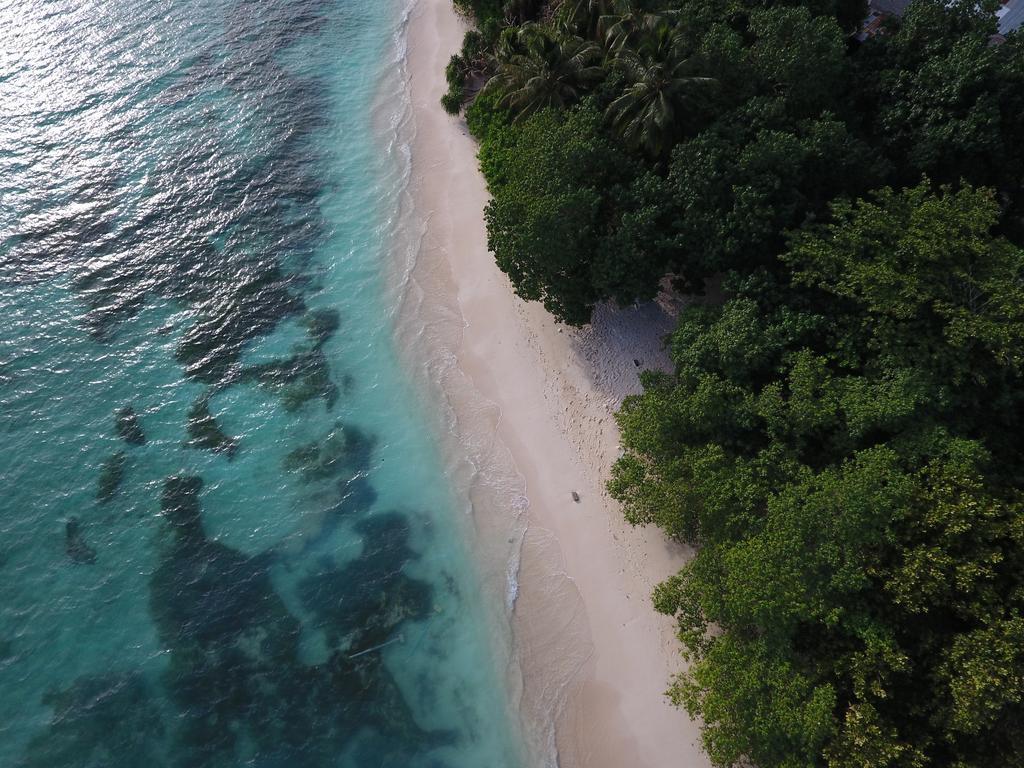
536	400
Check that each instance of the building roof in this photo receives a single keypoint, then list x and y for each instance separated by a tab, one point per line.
1011	16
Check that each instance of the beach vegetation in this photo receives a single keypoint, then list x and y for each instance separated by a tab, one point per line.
660	99
844	453
536	70
744	121
839	436
561	236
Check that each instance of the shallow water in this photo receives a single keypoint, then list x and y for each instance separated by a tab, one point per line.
226	535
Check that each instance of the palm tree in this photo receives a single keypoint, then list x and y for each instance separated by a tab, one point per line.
583	17
624	26
656	106
537	71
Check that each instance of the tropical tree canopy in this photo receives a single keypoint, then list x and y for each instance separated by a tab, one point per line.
840	437
661	93
537	70
848	460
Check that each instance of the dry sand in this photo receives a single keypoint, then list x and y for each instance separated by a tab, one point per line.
590	641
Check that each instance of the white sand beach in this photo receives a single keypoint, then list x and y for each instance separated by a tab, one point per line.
554	391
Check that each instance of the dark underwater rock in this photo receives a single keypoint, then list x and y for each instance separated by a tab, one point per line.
127	425
249	306
234	667
235	675
367	600
100	721
357	495
74	544
297	380
108	309
315	383
205	230
321	324
179	504
205	433
396	732
209	598
343	449
111	476
363	606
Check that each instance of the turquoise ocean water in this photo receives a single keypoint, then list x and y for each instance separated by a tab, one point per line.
226	534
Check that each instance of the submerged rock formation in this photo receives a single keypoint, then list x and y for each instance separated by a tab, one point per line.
235	673
205	433
297	379
343	449
111	720
363	603
305	374
111	476
357	495
247	309
321	324
74	543
127	426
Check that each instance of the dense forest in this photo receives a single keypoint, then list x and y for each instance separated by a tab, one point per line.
841	436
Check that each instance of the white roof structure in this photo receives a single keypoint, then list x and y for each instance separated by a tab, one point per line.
1011	16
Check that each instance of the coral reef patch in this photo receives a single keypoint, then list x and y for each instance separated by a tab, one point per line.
111	476
343	449
99	721
296	380
74	544
127	426
235	672
205	433
363	603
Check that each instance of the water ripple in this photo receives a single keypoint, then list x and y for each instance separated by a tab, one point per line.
225	538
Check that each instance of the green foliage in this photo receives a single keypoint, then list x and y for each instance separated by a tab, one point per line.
859	595
537	71
939	291
471	63
741	184
658	104
584	17
841	436
547	176
947	103
481	10
747	120
800	56
455	75
791	715
484	115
